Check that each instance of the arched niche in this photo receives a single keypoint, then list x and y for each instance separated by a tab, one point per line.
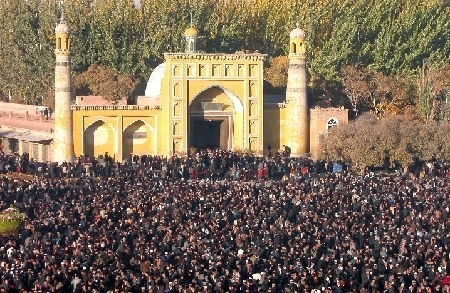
138	139
293	47
99	138
216	94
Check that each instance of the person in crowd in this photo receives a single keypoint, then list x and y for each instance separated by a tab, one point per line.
214	221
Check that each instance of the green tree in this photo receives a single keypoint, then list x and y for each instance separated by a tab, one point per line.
105	82
276	74
388	38
25	50
432	89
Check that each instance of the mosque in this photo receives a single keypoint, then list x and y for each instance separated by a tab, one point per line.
192	100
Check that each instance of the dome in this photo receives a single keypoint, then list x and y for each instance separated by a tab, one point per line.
154	84
62	28
192	31
297	33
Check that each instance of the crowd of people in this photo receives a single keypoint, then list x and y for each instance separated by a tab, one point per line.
218	165
193	225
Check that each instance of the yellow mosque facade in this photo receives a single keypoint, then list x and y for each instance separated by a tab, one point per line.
205	100
200	100
193	100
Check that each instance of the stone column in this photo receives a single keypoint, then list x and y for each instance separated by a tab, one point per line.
297	118
63	138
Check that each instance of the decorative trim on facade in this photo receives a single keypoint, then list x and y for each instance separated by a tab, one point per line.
117	107
62	89
62	52
297	56
297	66
330	109
233	57
212	106
294	90
275	105
62	64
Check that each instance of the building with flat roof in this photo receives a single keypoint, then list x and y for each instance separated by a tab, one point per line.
192	100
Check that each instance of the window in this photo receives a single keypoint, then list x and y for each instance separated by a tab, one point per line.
332	122
294	48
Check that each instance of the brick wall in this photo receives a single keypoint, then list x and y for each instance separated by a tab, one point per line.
320	120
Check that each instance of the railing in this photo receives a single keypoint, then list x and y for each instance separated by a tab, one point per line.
25	116
116	107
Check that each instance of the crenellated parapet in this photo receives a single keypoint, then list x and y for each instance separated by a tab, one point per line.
221	57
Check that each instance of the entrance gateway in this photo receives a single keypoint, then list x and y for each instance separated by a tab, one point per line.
209	131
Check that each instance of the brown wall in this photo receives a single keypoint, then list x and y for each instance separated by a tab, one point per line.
318	125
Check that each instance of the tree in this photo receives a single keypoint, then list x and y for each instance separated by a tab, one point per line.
432	90
352	144
358	85
105	82
368	140
386	40
409	34
25	50
394	96
277	73
444	106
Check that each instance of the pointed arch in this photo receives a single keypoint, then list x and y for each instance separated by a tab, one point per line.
293	48
99	137
150	127
237	103
100	120
138	138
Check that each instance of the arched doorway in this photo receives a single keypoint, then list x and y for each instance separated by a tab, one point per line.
210	131
211	118
99	138
137	139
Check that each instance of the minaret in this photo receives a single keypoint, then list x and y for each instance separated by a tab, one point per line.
297	118
63	137
191	35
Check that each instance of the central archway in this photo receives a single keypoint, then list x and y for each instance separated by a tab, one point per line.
211	117
216	94
211	132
